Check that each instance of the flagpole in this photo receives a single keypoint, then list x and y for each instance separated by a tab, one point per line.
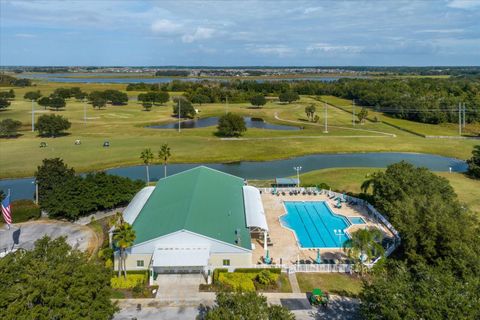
8	224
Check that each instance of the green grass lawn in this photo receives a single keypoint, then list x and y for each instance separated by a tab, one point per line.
124	126
350	180
335	283
425	129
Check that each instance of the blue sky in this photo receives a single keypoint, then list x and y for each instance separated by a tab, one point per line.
240	33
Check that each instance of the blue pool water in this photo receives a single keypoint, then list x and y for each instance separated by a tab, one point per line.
356	220
314	223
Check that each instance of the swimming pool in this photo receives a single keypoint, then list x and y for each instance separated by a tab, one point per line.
314	224
356	220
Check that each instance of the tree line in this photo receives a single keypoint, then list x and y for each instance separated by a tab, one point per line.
63	194
418	99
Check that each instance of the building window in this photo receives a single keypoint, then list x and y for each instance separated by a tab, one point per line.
226	262
139	263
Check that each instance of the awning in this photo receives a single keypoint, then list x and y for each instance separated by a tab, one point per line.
135	206
184	256
286	181
254	211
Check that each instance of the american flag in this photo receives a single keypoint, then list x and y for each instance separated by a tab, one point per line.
7	210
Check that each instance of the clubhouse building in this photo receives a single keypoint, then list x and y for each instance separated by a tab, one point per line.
194	221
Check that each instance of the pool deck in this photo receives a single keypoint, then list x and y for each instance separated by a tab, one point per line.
283	242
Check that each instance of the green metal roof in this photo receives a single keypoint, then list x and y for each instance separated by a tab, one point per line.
200	200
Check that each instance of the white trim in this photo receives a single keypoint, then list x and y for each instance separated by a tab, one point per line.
195	234
202	166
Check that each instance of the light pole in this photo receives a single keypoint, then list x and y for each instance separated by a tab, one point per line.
85	111
36	191
326	117
339	233
298	175
33	117
179	106
353	112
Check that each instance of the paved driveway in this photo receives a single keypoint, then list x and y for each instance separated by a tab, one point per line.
178	287
24	235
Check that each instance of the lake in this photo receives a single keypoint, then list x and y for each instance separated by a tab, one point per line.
86	78
213	121
24	188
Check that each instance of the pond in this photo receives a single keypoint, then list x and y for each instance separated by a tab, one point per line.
24	188
91	78
258	123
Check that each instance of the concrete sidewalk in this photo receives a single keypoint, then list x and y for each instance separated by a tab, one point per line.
189	308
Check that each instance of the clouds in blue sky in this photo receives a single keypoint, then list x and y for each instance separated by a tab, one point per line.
445	32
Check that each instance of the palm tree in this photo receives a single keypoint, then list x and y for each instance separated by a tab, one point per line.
363	246
164	154
147	157
123	236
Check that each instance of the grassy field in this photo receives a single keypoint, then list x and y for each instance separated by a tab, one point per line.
124	127
422	129
350	180
335	283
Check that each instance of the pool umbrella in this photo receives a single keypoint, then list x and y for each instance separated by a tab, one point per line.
319	259
267	258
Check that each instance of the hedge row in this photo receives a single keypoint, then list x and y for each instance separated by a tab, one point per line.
132	281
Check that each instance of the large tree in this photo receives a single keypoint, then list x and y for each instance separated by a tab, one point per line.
9	127
363	246
433	225
54	281
44	102
164	154
147	156
310	112
123	237
288	96
474	163
422	292
62	194
52	125
32	95
246	305
4	103
186	108
258	100
57	102
231	125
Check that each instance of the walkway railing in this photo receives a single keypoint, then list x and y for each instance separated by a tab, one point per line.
372	212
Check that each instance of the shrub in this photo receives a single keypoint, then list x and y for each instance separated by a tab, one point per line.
132	281
265	277
216	273
24	210
237	281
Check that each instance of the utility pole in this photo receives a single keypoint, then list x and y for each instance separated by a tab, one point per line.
460	119
464	121
353	112
33	118
226	105
179	106
326	117
84	111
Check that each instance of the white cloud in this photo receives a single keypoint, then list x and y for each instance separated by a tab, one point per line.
25	35
277	50
201	33
440	31
464	4
311	10
329	48
165	26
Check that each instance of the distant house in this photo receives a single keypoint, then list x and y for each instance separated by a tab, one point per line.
194	221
